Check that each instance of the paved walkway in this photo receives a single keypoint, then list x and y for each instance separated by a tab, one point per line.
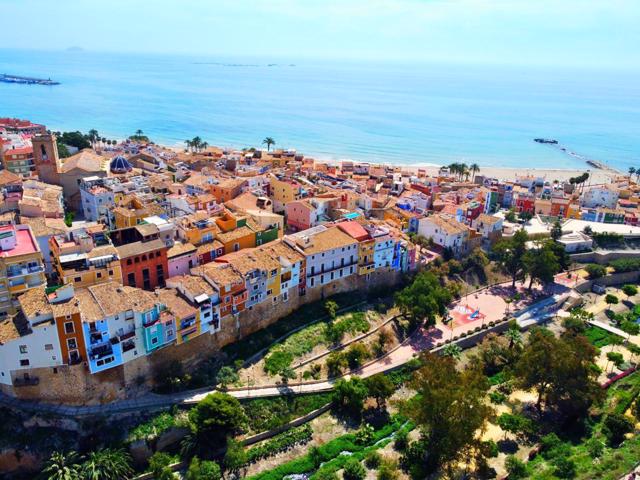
487	302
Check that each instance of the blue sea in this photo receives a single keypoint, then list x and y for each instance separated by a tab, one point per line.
380	112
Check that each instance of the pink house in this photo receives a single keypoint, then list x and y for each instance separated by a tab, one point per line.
182	257
300	215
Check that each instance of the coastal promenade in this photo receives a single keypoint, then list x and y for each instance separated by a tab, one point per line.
487	301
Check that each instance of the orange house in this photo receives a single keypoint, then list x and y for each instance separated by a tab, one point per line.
69	325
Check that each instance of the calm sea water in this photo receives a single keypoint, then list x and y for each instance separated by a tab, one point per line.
407	114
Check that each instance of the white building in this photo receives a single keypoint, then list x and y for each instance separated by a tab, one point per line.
599	197
446	233
96	200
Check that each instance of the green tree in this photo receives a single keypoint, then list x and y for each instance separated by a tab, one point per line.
107	464
556	230
235	458
349	395
62	466
510	255
227	376
449	409
380	387
576	323
516	424
630	290
424	299
203	470
510	216
541	264
331	308
616	358
215	417
525	216
611	299
560	370
353	470
269	142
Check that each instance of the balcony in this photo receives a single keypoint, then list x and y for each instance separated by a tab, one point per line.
101	351
128	345
26	382
127	336
187	323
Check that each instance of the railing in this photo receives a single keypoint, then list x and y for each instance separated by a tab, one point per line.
130	345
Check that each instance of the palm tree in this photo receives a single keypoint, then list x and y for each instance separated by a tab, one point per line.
269	142
196	143
514	336
139	133
632	170
475	168
105	464
452	350
93	136
189	144
61	466
204	145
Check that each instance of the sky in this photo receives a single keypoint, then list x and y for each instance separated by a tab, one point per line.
591	33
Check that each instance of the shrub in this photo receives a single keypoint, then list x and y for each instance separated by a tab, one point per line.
595	271
203	470
336	363
364	434
227	376
515	467
497	397
551	446
625	265
401	441
564	468
388	470
372	460
630	290
277	362
615	426
632	328
353	470
215	417
159	465
349	395
356	354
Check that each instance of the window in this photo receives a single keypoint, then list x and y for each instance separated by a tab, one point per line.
136	260
154	340
99	274
23	349
24	362
48	346
72	344
274	272
128	261
77	279
269	292
69	327
131	279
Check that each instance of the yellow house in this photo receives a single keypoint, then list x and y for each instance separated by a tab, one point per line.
198	228
21	265
84	260
131	212
366	262
573	211
283	191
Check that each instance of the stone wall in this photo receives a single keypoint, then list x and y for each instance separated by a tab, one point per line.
609	280
75	385
603	258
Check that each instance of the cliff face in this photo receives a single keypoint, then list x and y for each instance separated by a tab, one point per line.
74	385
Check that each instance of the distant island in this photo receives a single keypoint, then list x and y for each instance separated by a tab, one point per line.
26	80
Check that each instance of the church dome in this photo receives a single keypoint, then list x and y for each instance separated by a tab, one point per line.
120	164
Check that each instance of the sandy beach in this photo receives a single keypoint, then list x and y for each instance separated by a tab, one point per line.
597	176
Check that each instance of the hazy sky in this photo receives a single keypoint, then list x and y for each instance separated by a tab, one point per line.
595	33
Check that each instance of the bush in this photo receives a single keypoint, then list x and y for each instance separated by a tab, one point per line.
630	290
349	395
615	426
388	470
515	467
277	362
551	446
336	363
159	466
215	417
356	355
625	265
595	271
497	397
401	441
203	470
372	460
564	468
353	470
227	376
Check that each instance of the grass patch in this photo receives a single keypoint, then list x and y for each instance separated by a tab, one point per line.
599	337
157	425
269	413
